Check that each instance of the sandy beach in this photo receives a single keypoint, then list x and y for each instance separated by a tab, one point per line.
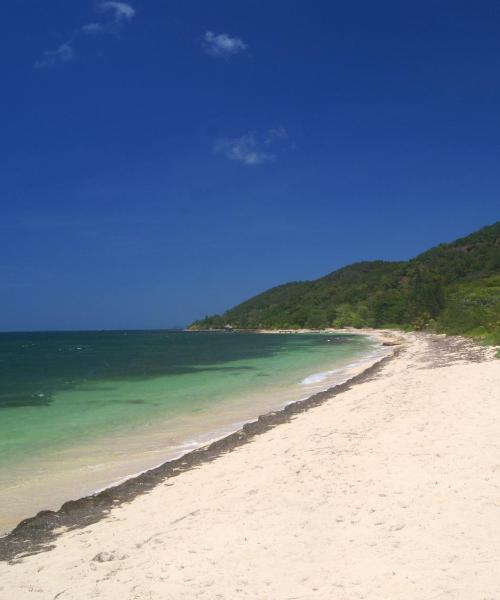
387	488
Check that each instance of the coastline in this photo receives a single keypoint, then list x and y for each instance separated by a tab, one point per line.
33	534
387	488
206	407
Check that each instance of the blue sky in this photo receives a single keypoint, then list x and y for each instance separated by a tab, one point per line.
161	160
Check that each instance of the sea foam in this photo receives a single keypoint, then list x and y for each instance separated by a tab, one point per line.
318	377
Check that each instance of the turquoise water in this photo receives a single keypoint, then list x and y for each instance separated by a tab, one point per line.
80	410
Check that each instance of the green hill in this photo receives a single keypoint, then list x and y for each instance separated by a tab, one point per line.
452	288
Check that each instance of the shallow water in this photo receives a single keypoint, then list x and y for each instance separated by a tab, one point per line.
80	411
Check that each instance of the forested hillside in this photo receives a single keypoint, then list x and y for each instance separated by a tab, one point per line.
452	288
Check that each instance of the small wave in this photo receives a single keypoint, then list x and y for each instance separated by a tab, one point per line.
317	377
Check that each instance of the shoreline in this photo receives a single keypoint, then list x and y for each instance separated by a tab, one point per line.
33	534
385	488
213	435
107	458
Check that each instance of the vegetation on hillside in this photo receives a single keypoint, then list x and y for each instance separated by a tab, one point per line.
452	288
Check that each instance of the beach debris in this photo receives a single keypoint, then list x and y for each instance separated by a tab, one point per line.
104	557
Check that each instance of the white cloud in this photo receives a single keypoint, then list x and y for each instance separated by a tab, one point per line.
223	44
119	13
276	134
122	11
93	28
245	149
252	149
55	58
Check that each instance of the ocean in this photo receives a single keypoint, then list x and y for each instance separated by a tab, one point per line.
80	411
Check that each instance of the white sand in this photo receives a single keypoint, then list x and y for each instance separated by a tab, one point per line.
390	490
